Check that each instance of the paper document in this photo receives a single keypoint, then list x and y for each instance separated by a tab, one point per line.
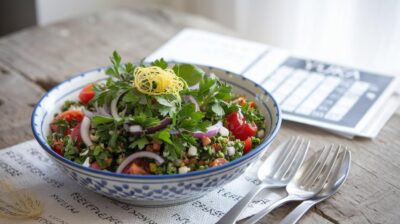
344	100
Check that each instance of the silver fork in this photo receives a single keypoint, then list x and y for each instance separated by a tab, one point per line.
308	180
276	171
334	182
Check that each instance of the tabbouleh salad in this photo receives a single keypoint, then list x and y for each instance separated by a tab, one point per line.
156	119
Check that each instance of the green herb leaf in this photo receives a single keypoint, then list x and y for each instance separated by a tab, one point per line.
113	140
116	59
143	120
163	101
167	107
206	86
218	110
129	68
253	115
115	70
98	120
139	143
163	135
190	73
160	63
130	97
189	119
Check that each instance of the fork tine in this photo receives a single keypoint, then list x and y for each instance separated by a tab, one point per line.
289	157
284	153
296	161
331	179
321	178
316	167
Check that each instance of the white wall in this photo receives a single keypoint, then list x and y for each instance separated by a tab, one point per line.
50	11
363	33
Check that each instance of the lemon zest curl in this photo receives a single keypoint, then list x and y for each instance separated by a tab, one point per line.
154	81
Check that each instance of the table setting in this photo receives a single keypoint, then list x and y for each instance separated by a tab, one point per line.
324	151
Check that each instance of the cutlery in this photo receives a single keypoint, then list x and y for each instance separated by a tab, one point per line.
332	186
308	180
276	171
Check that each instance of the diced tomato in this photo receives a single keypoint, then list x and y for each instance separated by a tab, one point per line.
69	116
57	147
95	165
76	134
86	94
136	169
138	166
240	128
53	127
251	104
108	162
205	140
217	162
247	145
242	101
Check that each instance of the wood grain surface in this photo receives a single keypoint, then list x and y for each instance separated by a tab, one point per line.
35	59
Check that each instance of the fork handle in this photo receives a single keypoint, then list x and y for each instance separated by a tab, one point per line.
268	209
231	216
295	215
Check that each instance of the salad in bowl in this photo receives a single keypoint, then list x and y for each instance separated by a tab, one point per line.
155	134
156	119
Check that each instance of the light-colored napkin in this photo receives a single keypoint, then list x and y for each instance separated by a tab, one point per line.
29	169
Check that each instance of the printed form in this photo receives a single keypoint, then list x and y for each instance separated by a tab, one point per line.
341	99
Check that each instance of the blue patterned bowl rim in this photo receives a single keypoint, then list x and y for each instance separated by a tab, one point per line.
253	152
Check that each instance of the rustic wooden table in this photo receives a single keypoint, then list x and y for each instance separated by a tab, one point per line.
34	60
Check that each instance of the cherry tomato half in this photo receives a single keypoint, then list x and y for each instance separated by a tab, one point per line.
234	121
240	128
86	94
245	131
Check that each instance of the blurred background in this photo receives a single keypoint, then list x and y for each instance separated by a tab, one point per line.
361	33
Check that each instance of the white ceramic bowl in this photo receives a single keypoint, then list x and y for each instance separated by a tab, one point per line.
155	190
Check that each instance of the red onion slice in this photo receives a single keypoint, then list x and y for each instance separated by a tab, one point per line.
129	159
114	108
195	86
100	111
88	113
103	110
211	131
163	124
137	129
174	132
85	129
